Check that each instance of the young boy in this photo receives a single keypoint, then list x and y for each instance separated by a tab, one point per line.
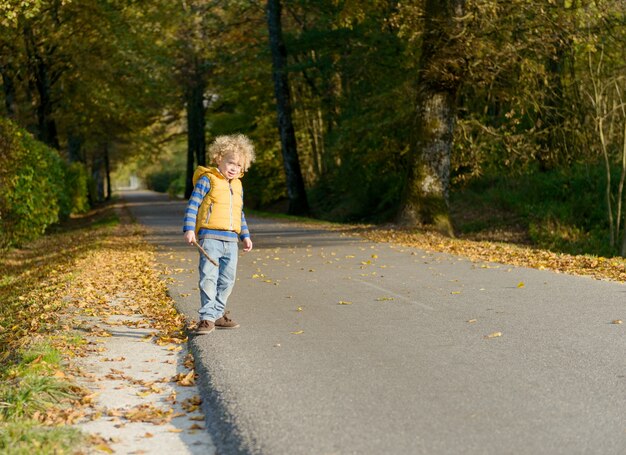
214	218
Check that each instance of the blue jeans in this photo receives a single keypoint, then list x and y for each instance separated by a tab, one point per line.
216	283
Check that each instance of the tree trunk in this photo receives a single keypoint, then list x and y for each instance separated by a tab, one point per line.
107	171
196	123
554	146
440	70
298	204
9	91
189	174
96	193
47	125
74	146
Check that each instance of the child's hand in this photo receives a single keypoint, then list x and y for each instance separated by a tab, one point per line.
247	244
190	237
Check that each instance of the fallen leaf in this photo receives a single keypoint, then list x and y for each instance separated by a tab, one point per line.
616	321
343	302
59	374
520	284
299	332
104	448
471	321
188	380
494	335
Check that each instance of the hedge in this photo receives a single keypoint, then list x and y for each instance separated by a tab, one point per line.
37	187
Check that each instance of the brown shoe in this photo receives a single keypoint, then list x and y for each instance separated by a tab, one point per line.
226	323
205	327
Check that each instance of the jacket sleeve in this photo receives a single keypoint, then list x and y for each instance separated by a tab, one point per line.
245	233
203	185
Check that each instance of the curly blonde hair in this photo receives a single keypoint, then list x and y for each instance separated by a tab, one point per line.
233	145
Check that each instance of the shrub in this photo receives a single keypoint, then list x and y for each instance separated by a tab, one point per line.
177	187
33	178
76	186
160	180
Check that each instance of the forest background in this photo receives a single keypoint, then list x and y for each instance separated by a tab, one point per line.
501	120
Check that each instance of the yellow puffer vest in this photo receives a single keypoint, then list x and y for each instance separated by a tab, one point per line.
221	207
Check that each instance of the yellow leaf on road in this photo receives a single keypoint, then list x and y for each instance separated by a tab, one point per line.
494	335
104	448
520	284
299	332
343	302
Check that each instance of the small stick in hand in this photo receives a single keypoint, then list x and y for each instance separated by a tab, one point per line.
206	255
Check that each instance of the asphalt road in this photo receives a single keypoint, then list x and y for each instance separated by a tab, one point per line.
353	347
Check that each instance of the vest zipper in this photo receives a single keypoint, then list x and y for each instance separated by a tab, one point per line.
208	213
231	205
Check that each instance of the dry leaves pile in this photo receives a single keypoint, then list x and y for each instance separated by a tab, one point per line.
502	251
119	279
61	285
482	251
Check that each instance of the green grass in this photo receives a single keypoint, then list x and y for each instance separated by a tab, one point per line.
562	210
28	385
28	438
42	354
23	396
110	220
283	216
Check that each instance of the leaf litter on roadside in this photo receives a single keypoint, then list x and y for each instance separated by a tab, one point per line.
98	274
